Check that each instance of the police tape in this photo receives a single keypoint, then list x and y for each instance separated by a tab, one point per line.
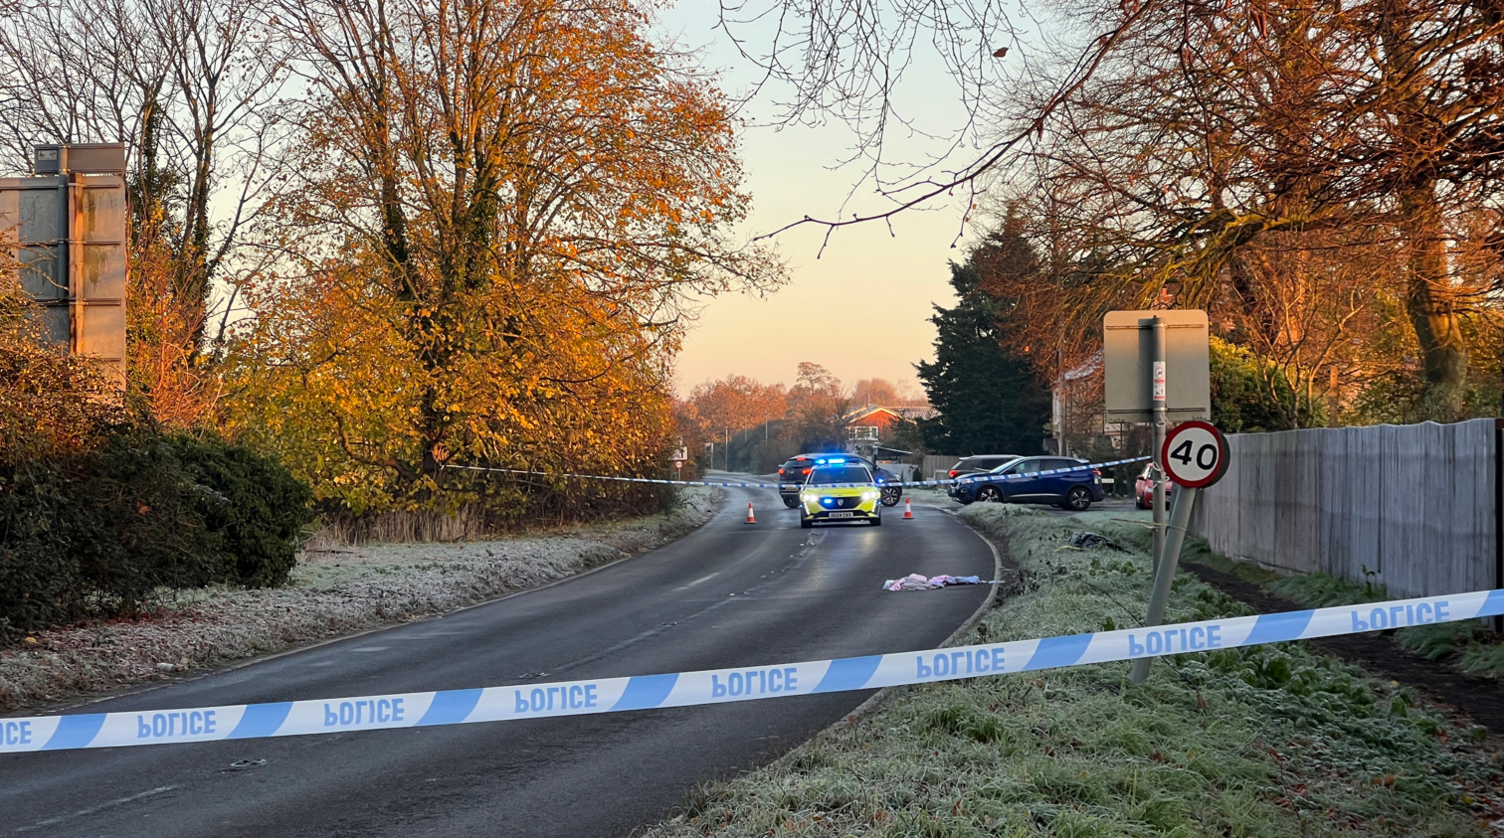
746	485
717	686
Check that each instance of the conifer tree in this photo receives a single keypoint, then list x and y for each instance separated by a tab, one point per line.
989	399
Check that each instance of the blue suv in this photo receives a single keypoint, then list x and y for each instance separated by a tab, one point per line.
1060	481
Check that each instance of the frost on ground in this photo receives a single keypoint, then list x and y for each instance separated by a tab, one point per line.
932	495
334	591
1268	741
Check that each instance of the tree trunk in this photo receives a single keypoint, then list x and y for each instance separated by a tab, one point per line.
1430	295
1431	301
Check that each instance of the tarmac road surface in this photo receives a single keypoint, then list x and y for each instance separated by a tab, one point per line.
727	595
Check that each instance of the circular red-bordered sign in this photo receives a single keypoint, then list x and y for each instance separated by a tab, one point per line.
1195	454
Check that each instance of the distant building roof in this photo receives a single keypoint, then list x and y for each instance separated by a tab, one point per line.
868	411
1086	369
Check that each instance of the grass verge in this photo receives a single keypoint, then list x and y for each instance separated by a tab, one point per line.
1466	645
1264	741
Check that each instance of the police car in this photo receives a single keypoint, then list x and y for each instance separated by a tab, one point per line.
792	474
840	492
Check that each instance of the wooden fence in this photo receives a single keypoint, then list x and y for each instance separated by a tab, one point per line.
936	466
1414	507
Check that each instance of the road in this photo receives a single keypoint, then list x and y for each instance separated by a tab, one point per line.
729	594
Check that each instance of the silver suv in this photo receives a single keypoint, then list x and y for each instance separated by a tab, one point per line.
977	463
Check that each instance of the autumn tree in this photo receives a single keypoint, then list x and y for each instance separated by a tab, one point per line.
876	391
490	226
728	407
1295	169
735	403
1263	160
816	405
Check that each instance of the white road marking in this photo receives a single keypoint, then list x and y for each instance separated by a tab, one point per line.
698	581
92	809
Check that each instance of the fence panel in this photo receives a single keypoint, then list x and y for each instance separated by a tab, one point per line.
935	466
1409	506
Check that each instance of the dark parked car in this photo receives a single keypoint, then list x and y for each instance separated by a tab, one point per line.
791	476
1143	487
1060	481
793	473
978	463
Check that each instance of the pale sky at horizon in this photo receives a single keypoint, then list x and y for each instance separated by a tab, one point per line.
861	309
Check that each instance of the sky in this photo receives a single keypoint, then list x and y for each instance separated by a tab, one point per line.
861	308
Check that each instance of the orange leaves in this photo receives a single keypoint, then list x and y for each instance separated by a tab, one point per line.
736	402
497	222
49	403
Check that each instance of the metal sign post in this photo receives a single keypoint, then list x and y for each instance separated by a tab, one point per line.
1156	368
1161	425
1195	456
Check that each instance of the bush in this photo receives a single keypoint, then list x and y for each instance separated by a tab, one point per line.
256	505
93	533
1254	395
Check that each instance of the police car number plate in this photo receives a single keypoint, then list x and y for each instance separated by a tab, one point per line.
840	514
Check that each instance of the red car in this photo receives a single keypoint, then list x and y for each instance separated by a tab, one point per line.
1143	487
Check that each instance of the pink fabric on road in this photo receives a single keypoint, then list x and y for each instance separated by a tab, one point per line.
917	582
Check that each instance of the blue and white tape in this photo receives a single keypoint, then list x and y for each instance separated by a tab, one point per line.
681	689
741	485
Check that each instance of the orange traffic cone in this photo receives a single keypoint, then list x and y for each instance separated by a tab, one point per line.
750	519
908	511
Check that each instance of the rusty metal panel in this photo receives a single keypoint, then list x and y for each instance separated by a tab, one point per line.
97	269
67	236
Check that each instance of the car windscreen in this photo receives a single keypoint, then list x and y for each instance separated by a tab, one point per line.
1004	467
839	474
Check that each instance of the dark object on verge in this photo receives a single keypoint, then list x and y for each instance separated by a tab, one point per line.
1088	540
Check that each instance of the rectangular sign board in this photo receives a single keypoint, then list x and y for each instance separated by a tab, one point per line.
1128	370
66	237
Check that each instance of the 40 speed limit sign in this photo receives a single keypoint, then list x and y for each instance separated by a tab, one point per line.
1195	454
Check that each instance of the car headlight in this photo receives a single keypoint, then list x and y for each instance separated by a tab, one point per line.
871	495
805	497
